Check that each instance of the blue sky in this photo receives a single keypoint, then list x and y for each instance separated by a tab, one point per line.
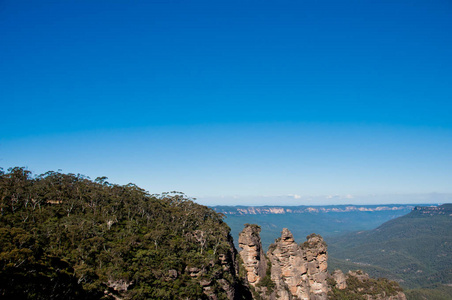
233	102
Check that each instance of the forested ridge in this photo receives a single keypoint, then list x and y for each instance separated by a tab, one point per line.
414	249
67	236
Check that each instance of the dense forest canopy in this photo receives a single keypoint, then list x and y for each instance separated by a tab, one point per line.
64	235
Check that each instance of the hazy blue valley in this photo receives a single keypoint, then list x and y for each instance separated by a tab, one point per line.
330	220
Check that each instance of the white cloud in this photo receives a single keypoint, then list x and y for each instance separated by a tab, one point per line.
348	196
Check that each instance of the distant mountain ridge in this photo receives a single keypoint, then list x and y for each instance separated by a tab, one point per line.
255	210
414	249
326	220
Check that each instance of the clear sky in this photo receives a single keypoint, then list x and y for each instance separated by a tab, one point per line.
233	102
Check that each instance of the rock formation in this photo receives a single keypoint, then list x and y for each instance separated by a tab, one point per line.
300	271
314	252
288	266
296	271
252	254
339	278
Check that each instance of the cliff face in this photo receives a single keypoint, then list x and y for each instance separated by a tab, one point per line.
225	282
300	271
445	209
271	210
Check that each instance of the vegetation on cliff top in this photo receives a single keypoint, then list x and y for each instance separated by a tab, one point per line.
66	236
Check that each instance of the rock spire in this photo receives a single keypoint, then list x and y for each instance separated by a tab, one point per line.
252	253
299	271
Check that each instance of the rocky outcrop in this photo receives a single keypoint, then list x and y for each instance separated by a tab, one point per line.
375	289
340	280
252	254
300	271
362	286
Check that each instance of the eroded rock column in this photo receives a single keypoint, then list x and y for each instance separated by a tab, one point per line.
288	266
252	254
316	256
